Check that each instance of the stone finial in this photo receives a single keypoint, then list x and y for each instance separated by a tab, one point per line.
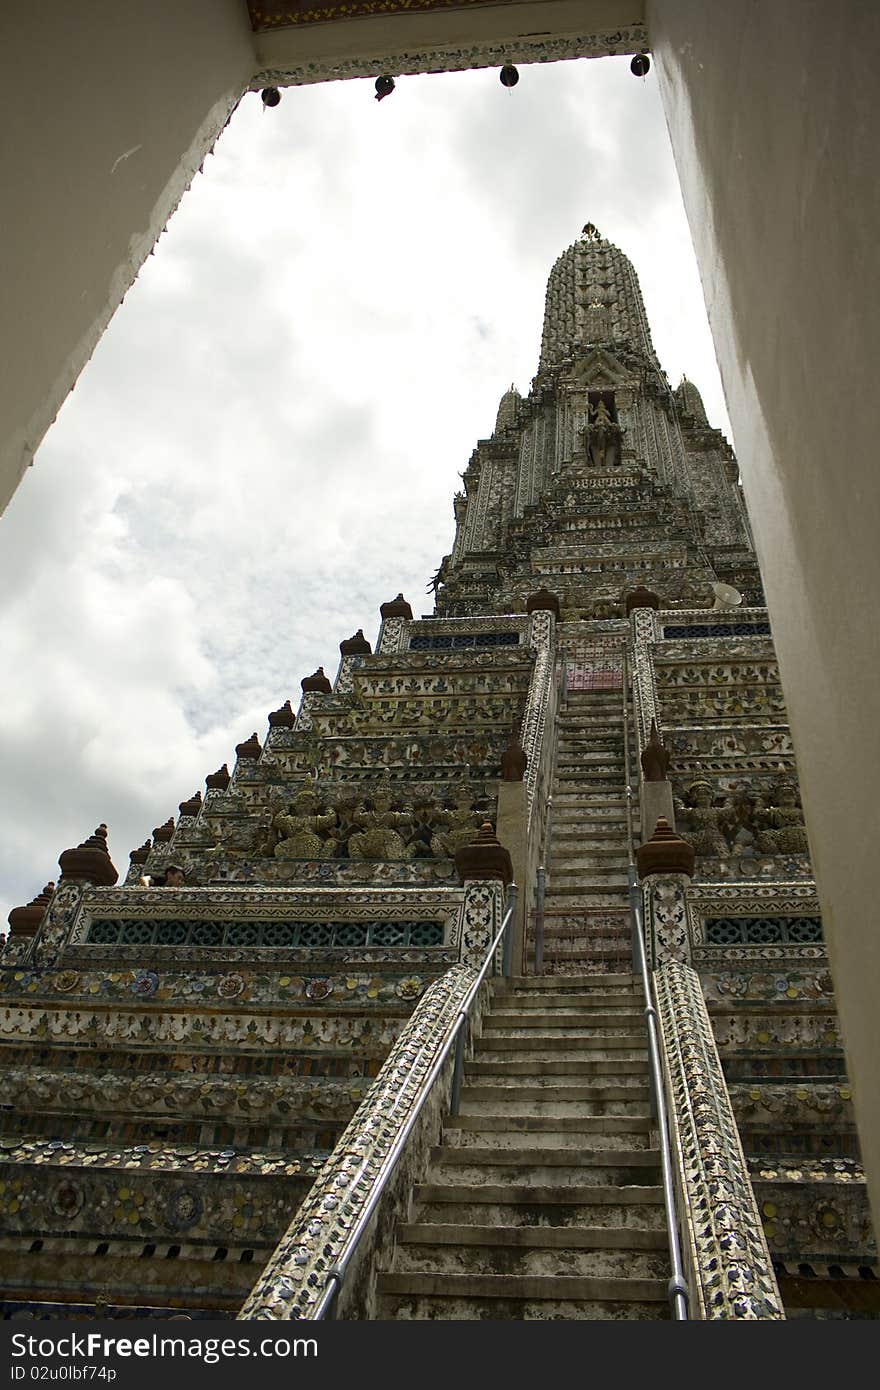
283	717
397	608
655	757
90	862
163	833
484	857
192	806
513	760
640	597
140	856
356	645
665	853
250	748
218	781
24	921
542	600
317	681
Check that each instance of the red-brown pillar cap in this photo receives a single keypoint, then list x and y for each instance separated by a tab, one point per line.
218	781
542	600
283	717
250	748
484	857
24	921
640	597
396	608
356	645
90	862
317	681
665	853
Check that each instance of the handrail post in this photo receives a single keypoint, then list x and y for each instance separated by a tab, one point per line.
507	950
540	891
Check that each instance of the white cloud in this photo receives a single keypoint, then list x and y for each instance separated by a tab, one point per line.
266	443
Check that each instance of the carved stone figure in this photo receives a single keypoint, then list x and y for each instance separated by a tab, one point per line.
462	824
300	832
379	836
705	822
784	831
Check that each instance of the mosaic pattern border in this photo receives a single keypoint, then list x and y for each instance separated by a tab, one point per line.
293	1280
732	1273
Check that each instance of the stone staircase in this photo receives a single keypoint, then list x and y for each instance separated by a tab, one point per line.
543	1199
586	923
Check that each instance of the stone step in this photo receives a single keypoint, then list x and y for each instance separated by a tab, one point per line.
507	1101
530	1016
565	868
457	1306
519	1261
565	1167
571	825
587	1002
532	1237
633	1207
536	1142
522	1032
484	1125
519	984
574	1040
595	1066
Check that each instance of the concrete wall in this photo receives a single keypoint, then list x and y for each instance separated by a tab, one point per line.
774	114
108	110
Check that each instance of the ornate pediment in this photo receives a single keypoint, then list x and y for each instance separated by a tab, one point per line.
599	370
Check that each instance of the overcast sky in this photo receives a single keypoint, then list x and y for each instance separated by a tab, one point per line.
267	440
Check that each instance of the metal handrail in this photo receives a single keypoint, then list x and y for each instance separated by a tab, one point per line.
561	685
677	1289
336	1275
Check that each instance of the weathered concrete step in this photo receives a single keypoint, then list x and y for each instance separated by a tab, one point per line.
538	1237
588	984
566	1096
567	1208
576	1041
594	1065
454	1156
550	1000
532	1017
577	844
476	1132
523	1034
398	1308
554	1288
488	1119
572	836
528	1262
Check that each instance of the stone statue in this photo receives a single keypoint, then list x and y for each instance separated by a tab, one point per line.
462	824
603	437
783	829
706	823
379	834
301	831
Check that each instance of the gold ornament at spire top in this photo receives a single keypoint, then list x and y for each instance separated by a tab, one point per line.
591	232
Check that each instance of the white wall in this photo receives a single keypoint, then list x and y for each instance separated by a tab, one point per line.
774	114
108	109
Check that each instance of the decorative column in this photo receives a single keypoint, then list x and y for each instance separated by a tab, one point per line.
484	868
666	866
392	633
731	1273
351	654
88	863
314	687
24	923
